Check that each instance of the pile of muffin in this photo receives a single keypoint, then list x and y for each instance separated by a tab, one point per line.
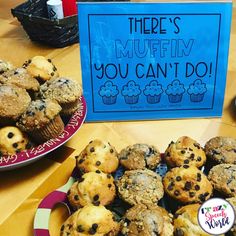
142	188
33	99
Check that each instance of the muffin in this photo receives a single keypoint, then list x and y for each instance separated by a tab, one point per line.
92	188
186	222
65	91
185	151
90	220
21	78
223	179
41	120
109	93
140	187
197	91
147	220
153	92
175	91
41	68
5	66
14	102
98	155
232	201
12	141
139	156
221	150
187	184
131	92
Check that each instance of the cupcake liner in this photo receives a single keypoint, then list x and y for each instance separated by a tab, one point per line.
153	99
175	98
70	107
51	130
131	99
196	97
109	100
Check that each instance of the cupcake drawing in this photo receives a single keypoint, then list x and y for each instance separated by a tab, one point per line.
153	92
175	91
109	93
197	90
131	92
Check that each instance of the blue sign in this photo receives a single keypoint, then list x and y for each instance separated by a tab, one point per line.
143	61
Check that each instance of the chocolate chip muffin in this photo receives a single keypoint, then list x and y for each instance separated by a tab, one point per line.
21	78
140	186
139	156
232	201
92	188
223	179
98	155
41	120
185	151
13	103
221	150
147	220
66	92
12	141
5	66
41	68
186	222
90	220
187	184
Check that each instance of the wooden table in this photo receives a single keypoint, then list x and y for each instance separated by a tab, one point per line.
21	190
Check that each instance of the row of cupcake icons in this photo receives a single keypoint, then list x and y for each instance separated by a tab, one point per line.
153	91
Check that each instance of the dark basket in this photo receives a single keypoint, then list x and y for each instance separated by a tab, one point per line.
34	18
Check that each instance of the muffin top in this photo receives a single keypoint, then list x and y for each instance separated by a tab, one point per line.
186	222
221	149
223	179
14	101
185	151
41	68
139	156
187	184
5	66
98	155
63	90
21	78
147	220
140	187
12	140
92	188
38	114
90	220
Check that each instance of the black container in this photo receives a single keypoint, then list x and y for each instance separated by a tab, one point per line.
34	19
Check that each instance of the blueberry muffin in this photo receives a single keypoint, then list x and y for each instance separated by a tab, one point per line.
90	220
185	151
41	68
221	150
41	120
21	78
140	186
65	91
92	188
186	222
13	103
147	220
139	156
5	66
232	201
223	179
98	155
187	184
12	141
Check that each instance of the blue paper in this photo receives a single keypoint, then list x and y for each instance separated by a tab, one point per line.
144	61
